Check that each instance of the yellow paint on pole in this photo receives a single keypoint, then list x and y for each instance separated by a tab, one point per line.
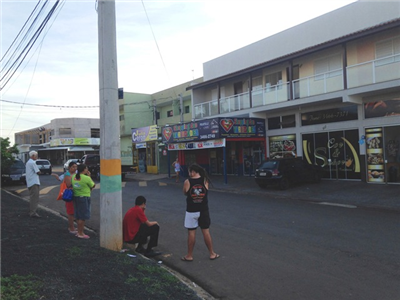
110	167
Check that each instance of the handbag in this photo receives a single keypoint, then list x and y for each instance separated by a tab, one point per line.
67	195
63	186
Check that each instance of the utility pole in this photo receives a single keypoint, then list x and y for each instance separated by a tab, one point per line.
110	150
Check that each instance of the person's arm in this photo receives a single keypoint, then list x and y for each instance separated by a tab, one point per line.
56	176
68	180
148	223
186	186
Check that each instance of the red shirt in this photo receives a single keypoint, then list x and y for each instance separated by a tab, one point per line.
132	221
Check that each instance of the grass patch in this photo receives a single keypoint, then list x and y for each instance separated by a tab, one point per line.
74	252
18	287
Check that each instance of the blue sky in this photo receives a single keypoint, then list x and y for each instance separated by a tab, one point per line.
62	67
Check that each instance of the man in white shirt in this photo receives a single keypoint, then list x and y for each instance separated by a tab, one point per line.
33	183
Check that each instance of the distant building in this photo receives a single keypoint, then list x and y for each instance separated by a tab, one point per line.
61	139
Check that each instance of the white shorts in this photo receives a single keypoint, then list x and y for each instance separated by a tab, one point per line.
192	219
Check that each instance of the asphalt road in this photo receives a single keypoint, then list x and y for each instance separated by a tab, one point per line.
271	248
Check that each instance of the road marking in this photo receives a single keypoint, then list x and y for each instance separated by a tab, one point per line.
142	183
336	204
21	190
162	184
47	189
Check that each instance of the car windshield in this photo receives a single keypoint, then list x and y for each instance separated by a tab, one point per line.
18	165
268	165
42	163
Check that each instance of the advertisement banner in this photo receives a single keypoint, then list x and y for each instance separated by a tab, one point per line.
241	127
74	142
144	134
197	145
193	131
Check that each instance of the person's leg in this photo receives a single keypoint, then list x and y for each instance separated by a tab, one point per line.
177	176
152	232
34	200
81	227
208	241
191	242
71	225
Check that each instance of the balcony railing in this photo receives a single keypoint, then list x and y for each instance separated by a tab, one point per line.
375	71
318	84
270	95
371	72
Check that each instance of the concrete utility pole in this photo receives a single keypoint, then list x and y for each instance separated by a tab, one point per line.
110	150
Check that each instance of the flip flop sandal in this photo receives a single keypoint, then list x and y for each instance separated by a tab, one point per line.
215	257
183	258
83	236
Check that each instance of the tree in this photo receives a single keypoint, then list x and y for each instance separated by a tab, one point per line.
7	153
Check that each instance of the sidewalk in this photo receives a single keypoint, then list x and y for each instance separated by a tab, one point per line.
329	192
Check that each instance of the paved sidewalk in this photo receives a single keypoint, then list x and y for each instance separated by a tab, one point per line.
329	192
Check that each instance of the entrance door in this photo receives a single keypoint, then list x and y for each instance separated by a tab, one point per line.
392	153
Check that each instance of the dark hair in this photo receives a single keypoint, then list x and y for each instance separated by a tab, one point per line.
81	168
140	200
203	173
71	164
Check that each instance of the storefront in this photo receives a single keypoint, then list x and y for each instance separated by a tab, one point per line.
144	149
221	145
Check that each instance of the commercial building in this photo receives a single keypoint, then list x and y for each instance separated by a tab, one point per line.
61	139
328	91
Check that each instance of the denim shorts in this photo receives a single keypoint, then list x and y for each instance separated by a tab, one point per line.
82	208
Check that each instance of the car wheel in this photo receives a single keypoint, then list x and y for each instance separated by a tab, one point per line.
284	184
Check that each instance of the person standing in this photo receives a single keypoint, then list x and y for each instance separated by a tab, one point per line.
69	206
33	184
137	228
82	185
197	213
177	168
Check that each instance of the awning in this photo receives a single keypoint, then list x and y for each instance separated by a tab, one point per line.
53	148
82	149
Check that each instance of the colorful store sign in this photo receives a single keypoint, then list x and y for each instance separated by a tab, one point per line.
215	128
282	146
144	134
330	115
384	108
74	142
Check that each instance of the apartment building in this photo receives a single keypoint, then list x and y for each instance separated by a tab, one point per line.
327	89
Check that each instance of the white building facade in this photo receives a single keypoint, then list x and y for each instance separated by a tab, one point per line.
328	90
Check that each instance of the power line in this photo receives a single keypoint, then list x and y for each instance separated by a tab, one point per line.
48	105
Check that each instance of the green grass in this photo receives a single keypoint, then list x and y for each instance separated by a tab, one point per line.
74	252
18	287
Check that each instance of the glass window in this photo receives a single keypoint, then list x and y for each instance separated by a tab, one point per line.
274	123
387	48
65	131
273	80
288	121
328	67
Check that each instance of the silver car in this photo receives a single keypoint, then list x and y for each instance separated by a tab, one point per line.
44	166
76	160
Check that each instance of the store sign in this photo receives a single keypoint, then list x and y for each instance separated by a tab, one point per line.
216	128
384	108
197	145
193	131
74	142
241	127
144	134
330	115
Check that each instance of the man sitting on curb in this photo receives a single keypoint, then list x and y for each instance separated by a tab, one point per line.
136	228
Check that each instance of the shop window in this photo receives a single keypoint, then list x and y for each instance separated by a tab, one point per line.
94	132
64	131
274	123
288	121
170	113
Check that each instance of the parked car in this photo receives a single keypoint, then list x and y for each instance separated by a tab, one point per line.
285	171
92	161
16	173
44	166
66	165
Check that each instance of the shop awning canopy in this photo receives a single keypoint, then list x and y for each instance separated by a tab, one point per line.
75	149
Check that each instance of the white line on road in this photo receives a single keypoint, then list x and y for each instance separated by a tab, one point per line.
336	204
